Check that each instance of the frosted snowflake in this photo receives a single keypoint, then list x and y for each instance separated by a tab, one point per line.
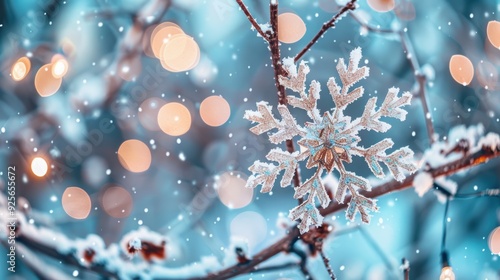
329	140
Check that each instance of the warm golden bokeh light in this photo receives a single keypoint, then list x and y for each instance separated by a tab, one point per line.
76	203
117	202
39	166
180	53
494	241
174	119
447	273
148	113
59	66
381	6
215	110
232	191
291	28
45	83
493	32
461	69
134	156
161	34
20	69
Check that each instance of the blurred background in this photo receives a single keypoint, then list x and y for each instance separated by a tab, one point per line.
84	104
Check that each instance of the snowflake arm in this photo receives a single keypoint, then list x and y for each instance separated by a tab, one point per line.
265	174
396	162
308	215
297	83
314	187
361	204
391	107
349	76
287	127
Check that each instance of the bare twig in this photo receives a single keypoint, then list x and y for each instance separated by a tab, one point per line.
272	39
277	267
326	261
303	261
351	5
406	268
285	244
252	19
130	45
420	78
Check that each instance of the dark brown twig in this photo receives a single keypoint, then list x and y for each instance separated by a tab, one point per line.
326	261
421	79
284	244
351	5
303	261
252	19
281	245
272	39
406	268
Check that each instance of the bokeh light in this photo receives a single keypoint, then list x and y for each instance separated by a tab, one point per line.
493	32
134	156
381	6
215	110
76	203
130	68
231	189
405	10
447	273
39	166
148	113
250	226
487	75
204	73
291	28
174	119
45	83
20	69
59	66
494	241
461	69
161	34
117	202
180	53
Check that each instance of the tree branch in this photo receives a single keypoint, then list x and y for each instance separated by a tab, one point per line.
420	78
285	244
326	262
252	20
351	5
450	168
274	47
130	45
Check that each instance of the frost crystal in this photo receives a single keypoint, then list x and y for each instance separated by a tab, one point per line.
330	140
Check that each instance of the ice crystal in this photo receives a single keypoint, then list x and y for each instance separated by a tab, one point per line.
330	140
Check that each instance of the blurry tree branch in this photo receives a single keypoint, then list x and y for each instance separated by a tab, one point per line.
285	244
420	77
350	6
130	46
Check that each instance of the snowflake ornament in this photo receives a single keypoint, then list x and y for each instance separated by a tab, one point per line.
330	141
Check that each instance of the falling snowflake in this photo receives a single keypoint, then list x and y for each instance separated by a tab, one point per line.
330	141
